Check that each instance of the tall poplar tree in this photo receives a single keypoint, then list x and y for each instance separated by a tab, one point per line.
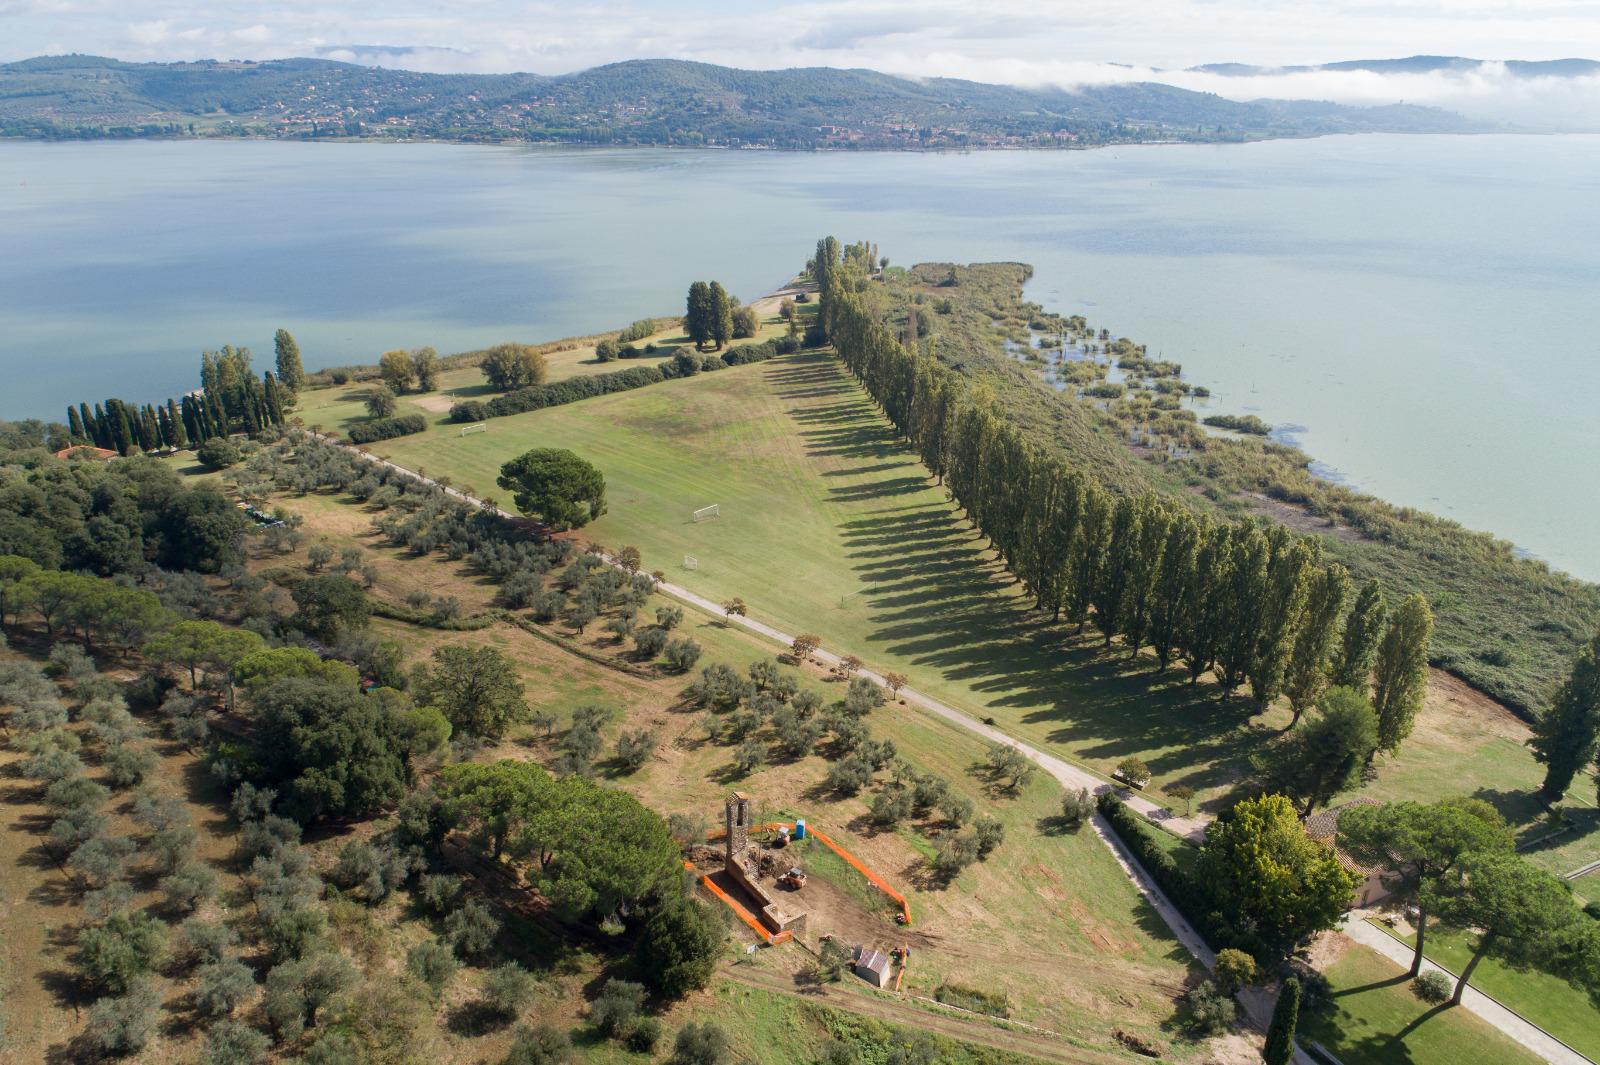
721	316
1307	676
697	314
1205	607
291	373
1568	731
1400	671
1170	597
1352	664
1288	573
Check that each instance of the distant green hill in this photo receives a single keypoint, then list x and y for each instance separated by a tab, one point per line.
655	101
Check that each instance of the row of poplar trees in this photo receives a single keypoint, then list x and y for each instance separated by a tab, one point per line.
1249	601
230	399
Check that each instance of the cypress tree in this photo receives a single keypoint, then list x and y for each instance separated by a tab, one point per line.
1400	672
90	430
1568	731
291	373
103	436
217	415
274	398
149	431
164	425
121	427
180	436
1352	664
75	428
1285	1018
192	424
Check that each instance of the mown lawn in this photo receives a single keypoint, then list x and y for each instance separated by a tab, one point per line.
1375	1019
830	524
1551	1003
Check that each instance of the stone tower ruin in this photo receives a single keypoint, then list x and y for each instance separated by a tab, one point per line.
738	825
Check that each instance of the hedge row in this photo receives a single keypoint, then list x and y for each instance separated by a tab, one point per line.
427	618
1179	886
556	393
385	428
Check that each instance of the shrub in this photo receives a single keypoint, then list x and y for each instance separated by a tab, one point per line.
558	393
437	893
218	453
115	954
616	1010
222	986
1432	986
507	991
650	641
433	962
542	1044
469	410
1235	969
231	1043
122	1025
681	654
471	929
1076	806
387	428
1211	1012
638	330
700	1044
606	351
680	946
645	1037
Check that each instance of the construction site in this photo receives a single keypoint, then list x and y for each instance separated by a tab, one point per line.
788	882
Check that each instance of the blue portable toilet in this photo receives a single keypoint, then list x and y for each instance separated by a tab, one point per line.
800	828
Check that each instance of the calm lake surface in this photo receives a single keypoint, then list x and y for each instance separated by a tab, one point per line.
1422	314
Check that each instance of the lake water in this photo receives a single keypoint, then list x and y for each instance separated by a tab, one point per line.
1423	311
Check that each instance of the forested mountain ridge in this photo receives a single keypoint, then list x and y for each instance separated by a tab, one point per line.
655	101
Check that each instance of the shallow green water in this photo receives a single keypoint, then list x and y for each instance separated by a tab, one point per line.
1422	313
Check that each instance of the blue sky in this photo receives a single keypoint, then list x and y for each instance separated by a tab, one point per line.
1018	41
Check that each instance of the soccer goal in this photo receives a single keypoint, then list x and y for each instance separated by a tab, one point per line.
705	513
474	427
690	562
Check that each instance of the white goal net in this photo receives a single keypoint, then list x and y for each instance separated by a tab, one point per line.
713	511
475	427
690	562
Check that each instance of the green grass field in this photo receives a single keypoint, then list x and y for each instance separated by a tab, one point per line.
1551	1003
337	407
1375	1019
830	524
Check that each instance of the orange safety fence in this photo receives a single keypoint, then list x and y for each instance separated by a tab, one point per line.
772	938
873	878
